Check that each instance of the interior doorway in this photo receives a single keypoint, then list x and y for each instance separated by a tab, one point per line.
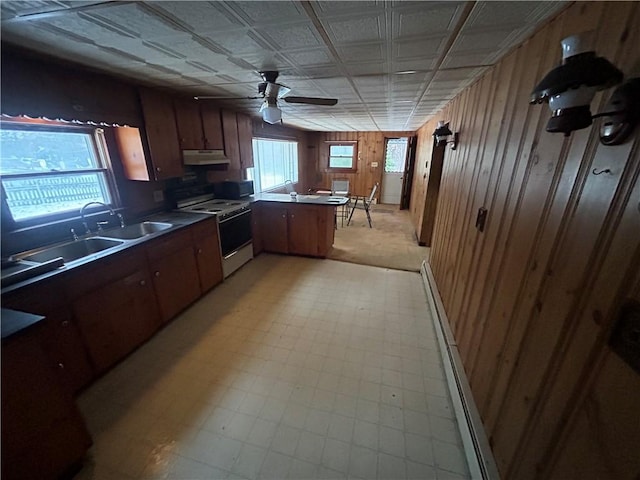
395	155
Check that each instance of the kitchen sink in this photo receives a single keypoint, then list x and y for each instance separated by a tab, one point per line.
136	230
73	250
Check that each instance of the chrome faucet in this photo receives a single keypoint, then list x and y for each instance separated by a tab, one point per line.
99	224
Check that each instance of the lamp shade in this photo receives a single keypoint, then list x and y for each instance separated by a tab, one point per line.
442	132
270	113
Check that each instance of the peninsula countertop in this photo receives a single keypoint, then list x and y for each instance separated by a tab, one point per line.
330	201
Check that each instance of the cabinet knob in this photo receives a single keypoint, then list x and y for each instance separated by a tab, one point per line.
60	365
158	169
292	215
143	282
64	323
199	251
157	274
284	216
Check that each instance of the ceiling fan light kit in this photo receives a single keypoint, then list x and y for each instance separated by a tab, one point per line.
270	92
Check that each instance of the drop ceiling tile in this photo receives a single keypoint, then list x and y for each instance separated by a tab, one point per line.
199	17
333	9
481	41
465	60
310	57
491	14
369	68
255	13
132	17
239	41
356	29
297	36
365	53
425	19
425	48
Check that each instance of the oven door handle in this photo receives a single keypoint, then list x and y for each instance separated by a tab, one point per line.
244	212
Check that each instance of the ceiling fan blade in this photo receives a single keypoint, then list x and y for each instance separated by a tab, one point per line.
213	97
311	100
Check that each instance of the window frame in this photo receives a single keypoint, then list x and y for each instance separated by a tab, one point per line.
100	151
354	156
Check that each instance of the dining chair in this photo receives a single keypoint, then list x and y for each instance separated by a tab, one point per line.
340	188
366	203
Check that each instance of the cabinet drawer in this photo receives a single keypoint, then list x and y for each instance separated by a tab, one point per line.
169	244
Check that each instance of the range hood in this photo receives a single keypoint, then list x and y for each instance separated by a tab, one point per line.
204	157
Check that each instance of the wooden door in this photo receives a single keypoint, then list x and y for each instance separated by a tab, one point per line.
189	125
208	256
175	272
303	230
245	140
162	134
212	127
231	143
117	317
274	229
132	156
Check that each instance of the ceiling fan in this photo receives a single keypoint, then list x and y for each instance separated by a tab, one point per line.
270	92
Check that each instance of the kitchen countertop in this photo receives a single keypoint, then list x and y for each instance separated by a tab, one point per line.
177	219
13	321
327	200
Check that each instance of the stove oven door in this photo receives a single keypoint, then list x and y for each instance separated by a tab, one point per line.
235	232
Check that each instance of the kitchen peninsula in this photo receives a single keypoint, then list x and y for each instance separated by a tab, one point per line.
296	225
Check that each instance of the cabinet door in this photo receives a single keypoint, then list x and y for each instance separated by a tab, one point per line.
212	126
43	434
162	134
189	125
303	230
245	139
274	229
60	338
117	317
231	145
175	272
208	257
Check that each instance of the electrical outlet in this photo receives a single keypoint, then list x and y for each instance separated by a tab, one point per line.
374	164
158	196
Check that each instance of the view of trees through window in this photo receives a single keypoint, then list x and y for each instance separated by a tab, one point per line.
47	172
395	155
275	162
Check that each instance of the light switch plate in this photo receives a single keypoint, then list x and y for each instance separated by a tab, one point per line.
374	164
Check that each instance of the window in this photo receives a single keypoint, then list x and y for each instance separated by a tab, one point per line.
50	172
395	155
343	155
275	162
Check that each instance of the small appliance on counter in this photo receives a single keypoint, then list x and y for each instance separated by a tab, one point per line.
233	190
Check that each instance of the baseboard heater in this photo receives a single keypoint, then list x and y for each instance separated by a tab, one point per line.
476	444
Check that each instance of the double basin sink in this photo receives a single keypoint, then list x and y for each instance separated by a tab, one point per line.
24	266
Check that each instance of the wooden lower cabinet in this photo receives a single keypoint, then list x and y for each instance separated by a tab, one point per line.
256	229
117	317
175	272
60	338
275	230
43	434
206	245
298	229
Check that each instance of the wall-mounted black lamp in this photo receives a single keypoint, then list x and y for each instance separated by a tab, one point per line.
442	132
570	87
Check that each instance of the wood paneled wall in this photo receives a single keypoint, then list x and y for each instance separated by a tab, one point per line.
532	299
370	149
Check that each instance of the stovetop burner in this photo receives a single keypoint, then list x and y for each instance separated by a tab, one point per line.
219	206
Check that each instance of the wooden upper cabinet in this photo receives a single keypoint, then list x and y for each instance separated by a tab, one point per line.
189	125
132	157
231	143
212	127
162	134
245	140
